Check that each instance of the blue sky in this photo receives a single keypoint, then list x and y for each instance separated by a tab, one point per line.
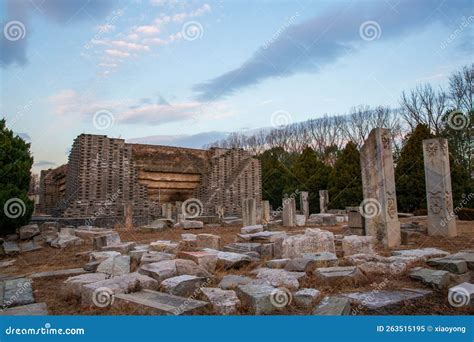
138	68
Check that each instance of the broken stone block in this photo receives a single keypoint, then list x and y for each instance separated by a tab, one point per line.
101	256
231	281
49	228
157	225
72	285
277	263
188	242
228	260
158	303
258	299
57	273
333	306
422	253
122	247
310	261
102	293
91	266
15	292
189	225
35	309
252	229
63	241
171	268
206	260
184	285
88	233
381	301
105	240
332	275
29	246
115	266
467	256
354	244
151	257
376	264
224	302
457	266
300	220
305	298
208	241
313	241
27	232
280	278
11	248
326	219
164	246
435	278
461	295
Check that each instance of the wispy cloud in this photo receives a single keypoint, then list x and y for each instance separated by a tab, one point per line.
325	38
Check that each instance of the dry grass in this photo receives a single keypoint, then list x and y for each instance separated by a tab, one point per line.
49	290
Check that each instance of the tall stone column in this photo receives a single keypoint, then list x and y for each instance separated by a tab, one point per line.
304	204
323	201
289	212
438	188
379	207
265	212
249	212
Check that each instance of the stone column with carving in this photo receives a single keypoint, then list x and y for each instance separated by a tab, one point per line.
323	201
265	212
438	188
249	212
289	212
304	203
379	207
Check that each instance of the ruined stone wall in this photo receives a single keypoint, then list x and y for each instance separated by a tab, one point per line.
52	188
105	174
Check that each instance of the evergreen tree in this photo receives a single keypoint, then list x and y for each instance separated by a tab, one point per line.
345	181
410	171
15	173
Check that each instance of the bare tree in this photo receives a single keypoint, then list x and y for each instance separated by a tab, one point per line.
461	88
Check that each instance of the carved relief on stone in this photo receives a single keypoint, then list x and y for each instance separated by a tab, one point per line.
435	202
432	149
444	147
391	206
449	201
386	139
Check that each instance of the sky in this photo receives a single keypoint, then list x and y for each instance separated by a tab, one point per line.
186	71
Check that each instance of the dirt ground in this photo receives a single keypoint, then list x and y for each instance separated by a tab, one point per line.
49	290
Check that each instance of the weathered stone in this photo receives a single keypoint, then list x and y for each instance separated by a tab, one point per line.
381	301
171	268
63	241
249	212
158	225
115	266
49	228
305	298
122	247
57	273
29	246
208	241
467	256
323	259
422	253
378	183
323	201
441	217
16	292
105	240
435	278
158	303
252	229
11	248
35	309
457	266
313	241
27	232
280	278
257	298
101	256
188	224
376	264
88	233
206	260
265	212
72	285
354	244
231	281
289	212
101	293
184	285
461	295
229	260
333	306
243	247
91	266
338	274
164	246
224	302
277	263
300	220
304	204
151	257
